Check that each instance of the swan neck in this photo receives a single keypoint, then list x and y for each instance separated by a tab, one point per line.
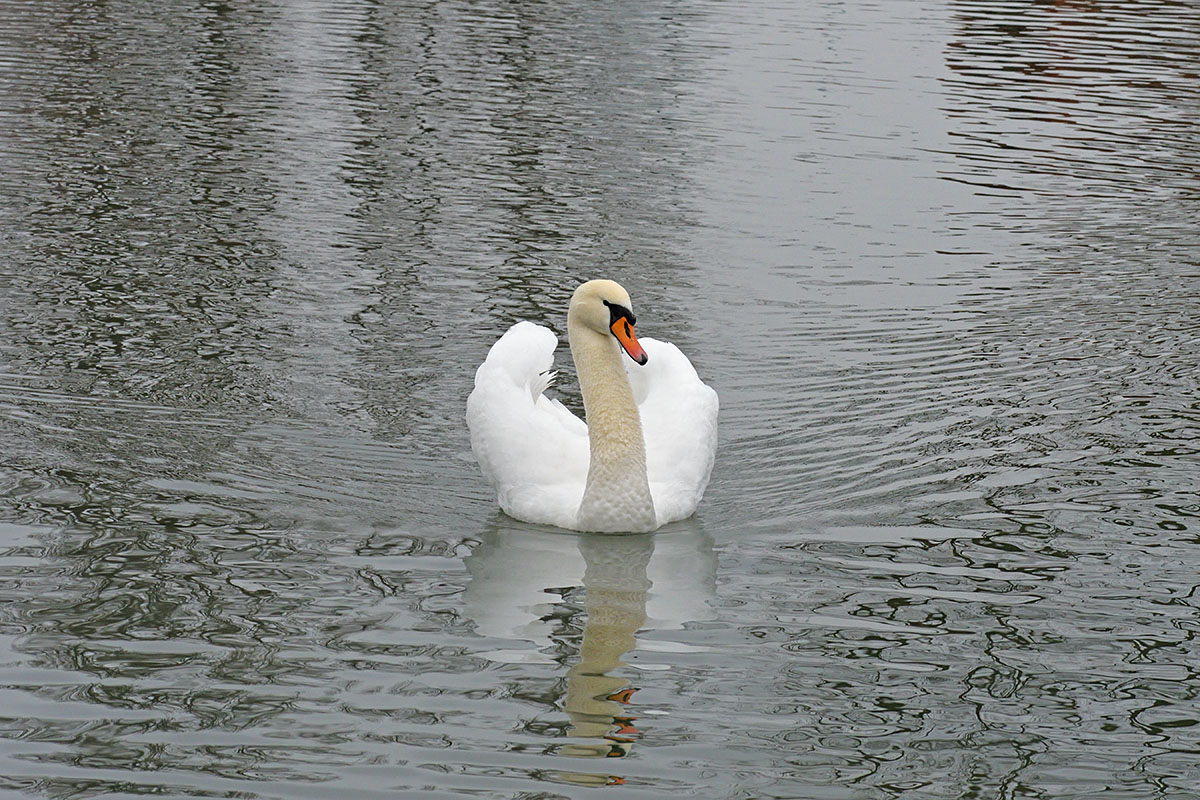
617	494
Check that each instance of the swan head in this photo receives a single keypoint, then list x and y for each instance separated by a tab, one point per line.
605	307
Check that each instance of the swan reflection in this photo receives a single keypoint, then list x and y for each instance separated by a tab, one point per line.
659	581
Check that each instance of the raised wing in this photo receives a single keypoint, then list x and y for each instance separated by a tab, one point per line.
679	422
531	448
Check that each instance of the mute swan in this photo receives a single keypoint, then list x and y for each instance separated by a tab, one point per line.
644	456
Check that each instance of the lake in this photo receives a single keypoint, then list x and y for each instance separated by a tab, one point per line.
939	259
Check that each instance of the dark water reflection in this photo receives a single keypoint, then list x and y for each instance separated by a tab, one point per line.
938	259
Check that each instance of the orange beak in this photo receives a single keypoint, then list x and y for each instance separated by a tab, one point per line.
624	333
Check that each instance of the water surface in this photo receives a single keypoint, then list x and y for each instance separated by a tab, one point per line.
938	259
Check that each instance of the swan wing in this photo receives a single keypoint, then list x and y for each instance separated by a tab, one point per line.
531	448
679	423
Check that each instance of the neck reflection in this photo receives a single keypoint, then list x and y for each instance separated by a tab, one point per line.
617	589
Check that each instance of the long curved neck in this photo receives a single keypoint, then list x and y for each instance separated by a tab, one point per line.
617	495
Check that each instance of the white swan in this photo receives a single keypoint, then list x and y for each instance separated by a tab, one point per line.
644	456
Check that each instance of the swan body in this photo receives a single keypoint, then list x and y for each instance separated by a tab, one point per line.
643	457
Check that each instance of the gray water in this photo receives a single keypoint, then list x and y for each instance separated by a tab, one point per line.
939	259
